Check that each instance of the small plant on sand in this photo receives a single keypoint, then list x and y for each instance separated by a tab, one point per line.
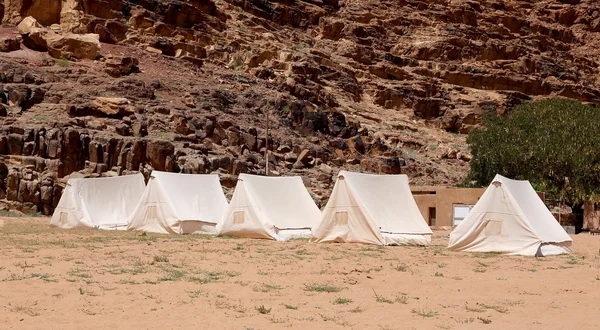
63	62
313	287
401	299
294	307
476	309
357	309
382	299
263	287
263	310
424	312
499	309
161	259
437	274
401	268
342	301
484	320
464	321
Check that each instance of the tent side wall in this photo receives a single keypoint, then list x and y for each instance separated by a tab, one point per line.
241	218
283	202
496	224
176	203
154	213
121	194
67	214
345	220
540	218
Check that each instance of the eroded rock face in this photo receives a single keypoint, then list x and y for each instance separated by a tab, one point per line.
9	44
78	46
358	85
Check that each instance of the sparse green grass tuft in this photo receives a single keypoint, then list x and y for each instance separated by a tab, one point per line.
499	309
342	301
263	287
263	310
63	62
313	287
161	259
484	320
476	309
424	312
401	268
294	307
357	309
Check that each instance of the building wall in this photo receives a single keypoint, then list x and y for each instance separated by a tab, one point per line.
443	200
447	197
425	202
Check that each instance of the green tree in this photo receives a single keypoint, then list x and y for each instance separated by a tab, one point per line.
555	144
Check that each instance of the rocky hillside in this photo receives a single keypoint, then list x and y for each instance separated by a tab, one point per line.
108	87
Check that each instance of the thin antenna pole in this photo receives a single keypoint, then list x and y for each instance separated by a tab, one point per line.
267	147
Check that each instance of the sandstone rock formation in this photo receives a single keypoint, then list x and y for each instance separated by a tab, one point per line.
381	86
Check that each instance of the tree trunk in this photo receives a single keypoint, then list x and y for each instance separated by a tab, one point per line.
591	216
578	213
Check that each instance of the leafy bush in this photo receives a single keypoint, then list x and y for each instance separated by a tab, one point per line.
553	143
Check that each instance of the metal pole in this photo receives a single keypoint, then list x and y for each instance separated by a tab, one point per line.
267	147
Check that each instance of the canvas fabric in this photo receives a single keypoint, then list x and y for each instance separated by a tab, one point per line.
510	218
175	203
372	209
104	203
270	207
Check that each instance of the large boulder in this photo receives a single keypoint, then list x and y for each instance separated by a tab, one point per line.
80	46
113	106
47	12
28	24
9	44
119	66
157	152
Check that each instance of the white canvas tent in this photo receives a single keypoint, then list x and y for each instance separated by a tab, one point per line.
175	203
510	218
104	203
270	207
372	209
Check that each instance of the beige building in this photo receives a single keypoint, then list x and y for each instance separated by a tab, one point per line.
447	206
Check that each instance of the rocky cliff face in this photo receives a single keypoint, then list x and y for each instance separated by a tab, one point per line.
98	87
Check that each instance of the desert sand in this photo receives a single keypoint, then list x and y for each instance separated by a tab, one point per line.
75	279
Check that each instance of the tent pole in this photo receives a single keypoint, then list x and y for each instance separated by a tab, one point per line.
267	147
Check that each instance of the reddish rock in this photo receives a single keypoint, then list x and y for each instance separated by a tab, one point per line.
157	152
9	44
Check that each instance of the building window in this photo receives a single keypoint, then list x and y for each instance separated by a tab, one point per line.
460	212
432	216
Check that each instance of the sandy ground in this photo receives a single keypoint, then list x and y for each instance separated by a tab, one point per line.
58	279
